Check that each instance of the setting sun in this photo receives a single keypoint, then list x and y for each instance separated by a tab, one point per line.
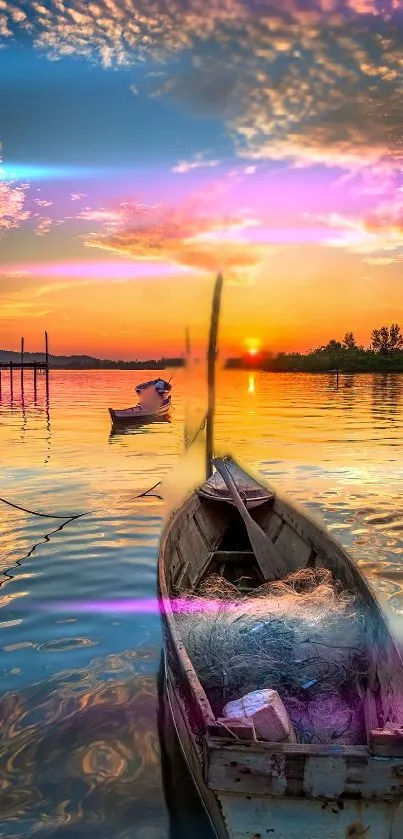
253	346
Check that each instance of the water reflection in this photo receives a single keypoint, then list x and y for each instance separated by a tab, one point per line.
251	384
131	430
80	756
186	813
386	394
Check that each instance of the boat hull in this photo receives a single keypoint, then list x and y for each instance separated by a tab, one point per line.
134	416
246	814
255	789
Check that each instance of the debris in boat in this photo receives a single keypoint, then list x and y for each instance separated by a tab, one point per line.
300	636
265	710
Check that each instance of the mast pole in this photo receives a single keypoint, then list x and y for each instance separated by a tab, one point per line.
211	370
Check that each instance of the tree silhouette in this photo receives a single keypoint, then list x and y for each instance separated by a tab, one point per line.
349	342
387	340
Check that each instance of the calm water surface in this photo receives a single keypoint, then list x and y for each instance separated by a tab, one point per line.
79	751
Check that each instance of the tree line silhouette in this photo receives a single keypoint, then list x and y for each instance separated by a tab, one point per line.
385	353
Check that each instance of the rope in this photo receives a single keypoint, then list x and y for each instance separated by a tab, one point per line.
88	512
43	515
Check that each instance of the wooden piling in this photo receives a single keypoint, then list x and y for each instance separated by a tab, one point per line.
22	365
211	365
35	374
0	382
11	381
47	365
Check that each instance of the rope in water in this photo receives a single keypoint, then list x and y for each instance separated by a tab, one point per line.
69	518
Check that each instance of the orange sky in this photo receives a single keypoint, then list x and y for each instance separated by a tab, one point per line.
294	304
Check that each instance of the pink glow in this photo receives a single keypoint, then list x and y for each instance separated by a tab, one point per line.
116	270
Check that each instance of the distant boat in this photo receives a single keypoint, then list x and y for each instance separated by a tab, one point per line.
154	404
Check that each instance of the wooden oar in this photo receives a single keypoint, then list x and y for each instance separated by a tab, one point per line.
271	563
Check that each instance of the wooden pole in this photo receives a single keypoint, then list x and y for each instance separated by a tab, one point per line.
11	381
187	375
187	344
35	374
47	365
22	365
211	368
0	382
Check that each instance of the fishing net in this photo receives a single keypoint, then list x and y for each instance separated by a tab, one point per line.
300	636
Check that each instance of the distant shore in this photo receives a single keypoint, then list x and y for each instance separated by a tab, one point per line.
87	362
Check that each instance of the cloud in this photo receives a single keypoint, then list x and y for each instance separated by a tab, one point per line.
374	234
43	226
12	206
199	162
189	236
312	82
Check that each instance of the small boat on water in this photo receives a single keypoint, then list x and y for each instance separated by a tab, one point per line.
253	788
154	404
241	532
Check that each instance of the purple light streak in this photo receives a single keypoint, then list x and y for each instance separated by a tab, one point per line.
142	606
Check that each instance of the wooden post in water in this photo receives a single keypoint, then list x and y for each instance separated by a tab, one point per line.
35	374
11	381
211	366
187	379
0	382
22	367
47	364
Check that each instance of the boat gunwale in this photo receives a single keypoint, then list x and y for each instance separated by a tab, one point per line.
164	597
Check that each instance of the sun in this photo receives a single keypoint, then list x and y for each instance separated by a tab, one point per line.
252	346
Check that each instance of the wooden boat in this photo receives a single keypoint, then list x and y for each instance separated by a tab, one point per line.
154	404
235	526
258	789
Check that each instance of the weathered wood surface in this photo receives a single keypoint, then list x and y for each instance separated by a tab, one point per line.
285	818
315	772
271	563
216	490
384	742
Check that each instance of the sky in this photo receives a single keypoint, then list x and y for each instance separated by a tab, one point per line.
149	144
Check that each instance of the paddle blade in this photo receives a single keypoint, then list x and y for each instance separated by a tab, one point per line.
271	563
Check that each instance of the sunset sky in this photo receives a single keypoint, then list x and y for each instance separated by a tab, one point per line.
147	144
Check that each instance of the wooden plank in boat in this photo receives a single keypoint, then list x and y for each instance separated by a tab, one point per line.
323	772
176	565
274	526
266	817
241	557
216	490
296	550
386	742
192	545
211	522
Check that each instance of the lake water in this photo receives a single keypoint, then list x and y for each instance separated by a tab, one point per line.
78	739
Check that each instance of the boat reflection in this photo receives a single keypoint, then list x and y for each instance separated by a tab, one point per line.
130	430
187	816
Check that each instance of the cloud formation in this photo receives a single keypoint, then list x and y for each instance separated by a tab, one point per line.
188	235
378	235
199	162
12	206
312	82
